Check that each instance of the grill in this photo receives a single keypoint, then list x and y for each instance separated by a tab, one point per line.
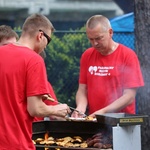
125	130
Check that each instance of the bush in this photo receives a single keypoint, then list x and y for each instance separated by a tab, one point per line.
62	62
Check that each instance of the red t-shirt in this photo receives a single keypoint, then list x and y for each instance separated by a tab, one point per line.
22	74
107	76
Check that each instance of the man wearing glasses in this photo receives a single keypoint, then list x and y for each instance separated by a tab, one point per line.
23	84
47	37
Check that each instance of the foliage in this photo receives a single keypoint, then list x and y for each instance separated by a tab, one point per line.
62	63
17	30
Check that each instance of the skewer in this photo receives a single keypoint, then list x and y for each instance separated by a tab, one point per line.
48	97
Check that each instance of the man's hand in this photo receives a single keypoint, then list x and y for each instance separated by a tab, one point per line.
98	112
76	114
61	110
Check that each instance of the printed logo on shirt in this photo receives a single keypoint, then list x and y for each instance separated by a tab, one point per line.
100	70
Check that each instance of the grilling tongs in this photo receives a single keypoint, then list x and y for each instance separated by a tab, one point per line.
49	97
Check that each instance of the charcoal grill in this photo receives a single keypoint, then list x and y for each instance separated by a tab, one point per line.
59	129
125	128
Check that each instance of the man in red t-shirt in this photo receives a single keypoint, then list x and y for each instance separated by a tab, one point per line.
23	82
8	35
109	72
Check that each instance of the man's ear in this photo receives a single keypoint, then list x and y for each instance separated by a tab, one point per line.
111	32
39	36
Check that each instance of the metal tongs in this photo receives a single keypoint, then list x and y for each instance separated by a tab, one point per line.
49	97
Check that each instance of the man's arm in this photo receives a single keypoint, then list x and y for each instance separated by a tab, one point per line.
81	99
37	108
126	99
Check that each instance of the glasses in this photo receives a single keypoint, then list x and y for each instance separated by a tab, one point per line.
47	37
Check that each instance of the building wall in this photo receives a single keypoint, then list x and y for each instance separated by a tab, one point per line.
64	14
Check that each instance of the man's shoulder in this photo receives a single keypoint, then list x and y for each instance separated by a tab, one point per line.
124	47
89	50
25	54
126	53
126	50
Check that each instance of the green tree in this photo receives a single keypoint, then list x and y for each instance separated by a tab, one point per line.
142	47
62	63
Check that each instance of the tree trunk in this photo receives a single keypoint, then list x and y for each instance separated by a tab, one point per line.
142	48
